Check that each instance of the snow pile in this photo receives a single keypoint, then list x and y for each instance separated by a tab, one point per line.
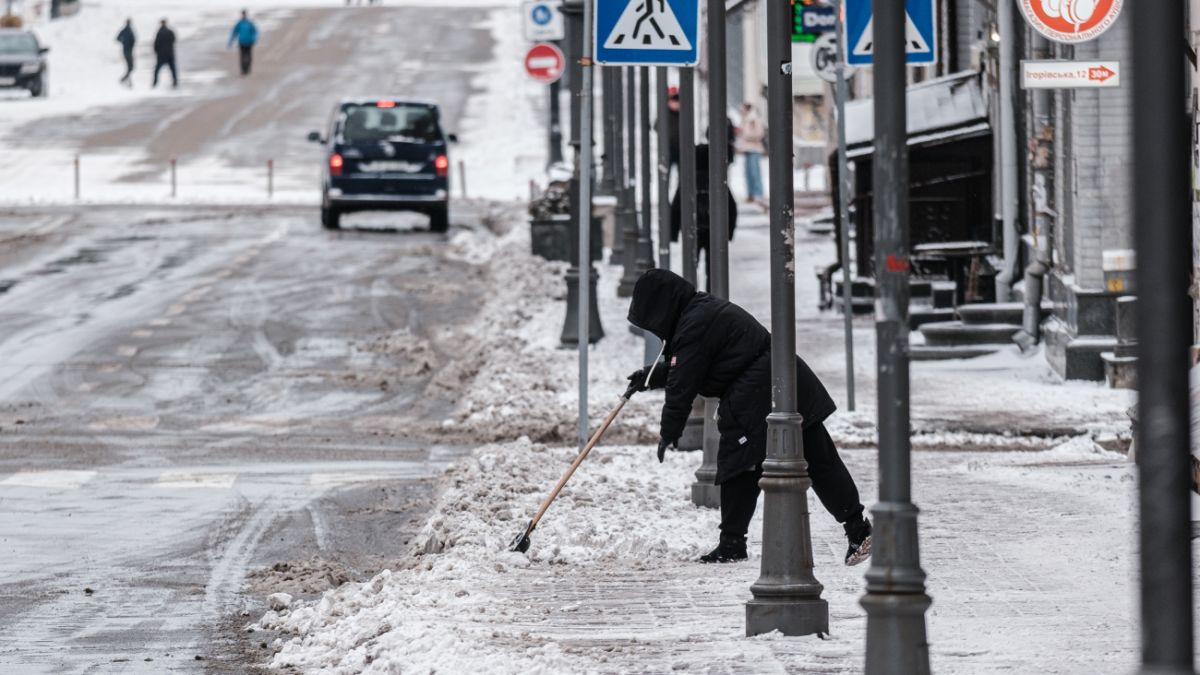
621	507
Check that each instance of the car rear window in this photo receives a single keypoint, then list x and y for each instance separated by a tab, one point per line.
20	43
402	122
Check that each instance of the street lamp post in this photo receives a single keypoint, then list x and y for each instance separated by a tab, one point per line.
664	172
631	230
614	129
895	601
787	597
580	194
1161	152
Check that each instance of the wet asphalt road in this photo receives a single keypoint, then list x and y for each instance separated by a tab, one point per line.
190	396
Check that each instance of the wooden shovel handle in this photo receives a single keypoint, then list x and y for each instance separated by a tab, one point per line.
578	460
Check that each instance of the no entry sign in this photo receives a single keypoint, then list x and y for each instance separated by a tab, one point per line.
1071	21
544	62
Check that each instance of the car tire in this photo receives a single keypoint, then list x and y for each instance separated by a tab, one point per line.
39	88
439	218
331	218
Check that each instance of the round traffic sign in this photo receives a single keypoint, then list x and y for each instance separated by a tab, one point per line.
544	62
825	57
541	15
1071	21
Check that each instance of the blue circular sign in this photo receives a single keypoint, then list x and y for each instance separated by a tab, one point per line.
542	15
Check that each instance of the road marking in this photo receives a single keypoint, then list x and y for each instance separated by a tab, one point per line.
335	479
66	480
187	480
142	333
127	351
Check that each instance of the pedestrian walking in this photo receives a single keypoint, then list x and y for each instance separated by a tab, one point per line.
127	39
716	349
245	33
751	144
164	54
702	218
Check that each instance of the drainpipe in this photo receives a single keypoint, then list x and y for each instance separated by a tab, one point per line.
1042	165
1009	199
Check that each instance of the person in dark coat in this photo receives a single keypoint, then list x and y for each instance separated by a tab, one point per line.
127	40
702	218
716	349
164	53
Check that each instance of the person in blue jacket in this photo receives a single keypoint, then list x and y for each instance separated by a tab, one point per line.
246	34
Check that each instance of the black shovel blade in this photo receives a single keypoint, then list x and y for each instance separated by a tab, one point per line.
520	544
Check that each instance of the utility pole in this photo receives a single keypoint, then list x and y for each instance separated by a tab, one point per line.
787	597
1009	197
844	186
1161	148
895	601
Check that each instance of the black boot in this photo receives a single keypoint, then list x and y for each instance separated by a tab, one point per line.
731	549
859	535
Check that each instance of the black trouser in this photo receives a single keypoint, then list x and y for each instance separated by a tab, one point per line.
128	65
168	62
247	56
830	480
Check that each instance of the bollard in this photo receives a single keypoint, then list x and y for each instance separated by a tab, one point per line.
270	178
462	177
76	177
174	183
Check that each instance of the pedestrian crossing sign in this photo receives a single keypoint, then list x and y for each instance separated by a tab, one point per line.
920	32
647	32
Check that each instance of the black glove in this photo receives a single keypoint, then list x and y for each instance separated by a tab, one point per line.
662	449
658	379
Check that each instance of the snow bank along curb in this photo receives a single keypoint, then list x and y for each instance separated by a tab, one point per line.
438	614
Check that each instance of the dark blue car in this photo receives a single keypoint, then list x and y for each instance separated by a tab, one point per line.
385	155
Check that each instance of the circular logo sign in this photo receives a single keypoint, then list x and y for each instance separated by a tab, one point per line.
1071	21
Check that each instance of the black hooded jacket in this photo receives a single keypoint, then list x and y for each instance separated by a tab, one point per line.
716	349
164	44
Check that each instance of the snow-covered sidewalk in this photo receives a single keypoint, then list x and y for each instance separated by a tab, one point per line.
609	584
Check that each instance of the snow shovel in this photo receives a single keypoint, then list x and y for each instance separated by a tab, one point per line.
521	543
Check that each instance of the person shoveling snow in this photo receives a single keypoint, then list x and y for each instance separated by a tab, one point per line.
716	349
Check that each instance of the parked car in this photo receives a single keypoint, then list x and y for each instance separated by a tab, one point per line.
23	62
385	155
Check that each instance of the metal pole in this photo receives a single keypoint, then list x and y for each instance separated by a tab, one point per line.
844	187
606	185
585	218
555	155
687	170
787	597
664	172
633	233
581	271
1161	147
270	178
1009	198
718	152
646	242
174	183
77	178
895	601
615	128
462	177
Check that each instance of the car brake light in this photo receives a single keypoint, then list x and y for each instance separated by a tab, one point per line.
385	104
335	164
442	164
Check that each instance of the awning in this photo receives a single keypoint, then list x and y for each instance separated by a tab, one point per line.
945	109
